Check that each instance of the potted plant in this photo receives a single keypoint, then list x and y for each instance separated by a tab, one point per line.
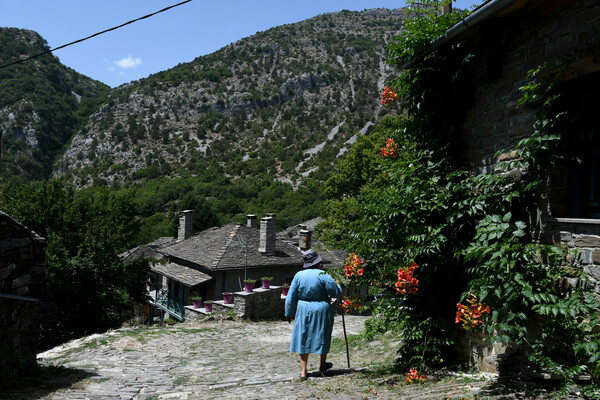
249	284
266	281
285	289
208	305
197	301
227	297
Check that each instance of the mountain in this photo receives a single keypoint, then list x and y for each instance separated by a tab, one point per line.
42	105
281	104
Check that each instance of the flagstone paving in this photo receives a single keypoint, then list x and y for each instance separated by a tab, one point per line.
229	359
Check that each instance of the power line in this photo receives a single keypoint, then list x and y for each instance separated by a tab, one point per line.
94	35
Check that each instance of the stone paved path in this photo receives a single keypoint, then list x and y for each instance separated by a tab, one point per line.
224	360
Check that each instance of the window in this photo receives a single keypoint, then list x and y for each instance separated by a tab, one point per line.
575	186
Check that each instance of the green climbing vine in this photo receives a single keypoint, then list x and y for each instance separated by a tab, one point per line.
443	250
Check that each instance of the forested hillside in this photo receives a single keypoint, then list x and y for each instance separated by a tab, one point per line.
42	105
255	127
281	104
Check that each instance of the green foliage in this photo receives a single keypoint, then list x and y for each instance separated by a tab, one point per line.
520	279
461	235
85	232
425	344
217	200
411	210
39	95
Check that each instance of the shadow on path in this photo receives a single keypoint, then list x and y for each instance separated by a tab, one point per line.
335	372
44	380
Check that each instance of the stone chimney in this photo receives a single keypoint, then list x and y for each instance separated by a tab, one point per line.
185	225
304	240
274	216
267	235
251	221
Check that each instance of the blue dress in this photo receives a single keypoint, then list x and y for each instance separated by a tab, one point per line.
308	302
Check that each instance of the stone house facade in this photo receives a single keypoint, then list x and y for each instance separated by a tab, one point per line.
229	254
219	259
22	269
514	37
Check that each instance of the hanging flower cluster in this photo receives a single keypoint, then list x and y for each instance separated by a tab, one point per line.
349	305
388	96
413	377
469	315
390	150
353	265
406	281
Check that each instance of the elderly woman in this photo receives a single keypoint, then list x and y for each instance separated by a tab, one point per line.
308	302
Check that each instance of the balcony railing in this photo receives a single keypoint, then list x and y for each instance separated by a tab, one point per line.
172	305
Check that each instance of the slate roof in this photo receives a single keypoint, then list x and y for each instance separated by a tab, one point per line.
143	251
149	250
188	276
331	258
219	249
292	233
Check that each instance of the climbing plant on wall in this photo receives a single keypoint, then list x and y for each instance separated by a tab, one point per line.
449	251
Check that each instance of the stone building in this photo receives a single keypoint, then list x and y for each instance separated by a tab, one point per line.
22	269
219	259
514	37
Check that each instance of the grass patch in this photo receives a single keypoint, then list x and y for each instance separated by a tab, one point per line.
86	345
196	330
181	380
339	344
372	351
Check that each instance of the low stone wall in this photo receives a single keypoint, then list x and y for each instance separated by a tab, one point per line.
255	305
195	314
583	237
260	304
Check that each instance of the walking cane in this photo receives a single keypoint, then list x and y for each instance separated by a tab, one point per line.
345	336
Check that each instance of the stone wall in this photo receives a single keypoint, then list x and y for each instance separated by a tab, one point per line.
541	32
260	304
265	304
229	281
22	269
513	42
582	236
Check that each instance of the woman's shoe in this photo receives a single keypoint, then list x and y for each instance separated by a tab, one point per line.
328	365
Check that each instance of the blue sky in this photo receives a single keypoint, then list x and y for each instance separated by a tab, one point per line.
161	42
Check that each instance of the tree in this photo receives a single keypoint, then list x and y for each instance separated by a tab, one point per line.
449	251
93	289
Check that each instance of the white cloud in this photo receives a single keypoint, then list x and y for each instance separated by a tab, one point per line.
128	62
